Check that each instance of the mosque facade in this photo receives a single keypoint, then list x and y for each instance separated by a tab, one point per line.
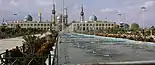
57	21
90	25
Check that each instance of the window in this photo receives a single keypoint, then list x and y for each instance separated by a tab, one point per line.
44	24
41	24
31	24
97	28
102	24
34	24
87	24
84	28
77	24
96	24
83	24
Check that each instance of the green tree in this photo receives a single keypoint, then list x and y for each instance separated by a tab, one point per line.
152	30
116	28
32	43
134	26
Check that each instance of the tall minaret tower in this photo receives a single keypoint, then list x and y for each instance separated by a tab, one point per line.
53	13
40	15
82	13
66	16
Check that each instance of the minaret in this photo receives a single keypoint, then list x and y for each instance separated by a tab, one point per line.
40	15
3	20
53	13
82	14
66	16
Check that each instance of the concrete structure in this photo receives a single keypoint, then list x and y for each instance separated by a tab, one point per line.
54	24
91	25
29	23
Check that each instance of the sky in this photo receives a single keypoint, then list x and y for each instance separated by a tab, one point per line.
130	9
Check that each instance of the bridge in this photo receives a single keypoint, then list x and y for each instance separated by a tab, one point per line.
79	49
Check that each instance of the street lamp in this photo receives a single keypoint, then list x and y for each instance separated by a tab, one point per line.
15	15
143	11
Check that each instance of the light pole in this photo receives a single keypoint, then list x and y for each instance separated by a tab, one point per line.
15	15
143	11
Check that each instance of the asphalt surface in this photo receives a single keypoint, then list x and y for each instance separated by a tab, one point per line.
10	43
79	53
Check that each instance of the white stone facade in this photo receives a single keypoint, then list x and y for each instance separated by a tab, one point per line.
31	24
91	25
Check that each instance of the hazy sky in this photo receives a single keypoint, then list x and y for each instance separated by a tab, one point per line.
131	9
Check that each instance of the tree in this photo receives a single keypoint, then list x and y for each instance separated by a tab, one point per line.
116	26
134	26
33	43
153	30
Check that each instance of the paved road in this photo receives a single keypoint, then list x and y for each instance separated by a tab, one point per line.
10	43
104	52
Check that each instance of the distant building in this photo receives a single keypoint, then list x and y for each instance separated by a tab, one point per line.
29	23
57	21
91	25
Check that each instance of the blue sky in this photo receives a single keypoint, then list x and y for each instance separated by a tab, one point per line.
131	9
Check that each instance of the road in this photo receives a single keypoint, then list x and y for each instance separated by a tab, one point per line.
78	53
10	43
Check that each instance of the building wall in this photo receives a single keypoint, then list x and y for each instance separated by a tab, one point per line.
89	26
34	24
38	25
